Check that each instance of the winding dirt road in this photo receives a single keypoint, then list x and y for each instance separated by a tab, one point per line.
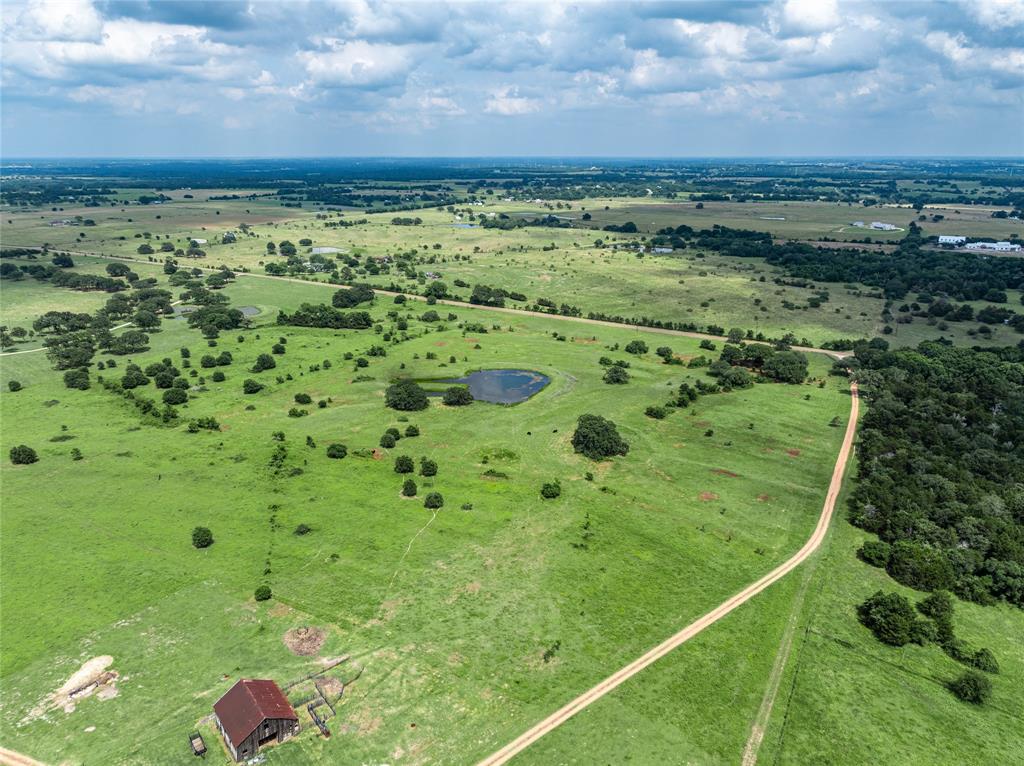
563	714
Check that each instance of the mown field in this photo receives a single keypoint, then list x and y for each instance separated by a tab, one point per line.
468	625
560	265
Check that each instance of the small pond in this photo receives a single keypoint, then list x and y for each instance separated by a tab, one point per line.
502	386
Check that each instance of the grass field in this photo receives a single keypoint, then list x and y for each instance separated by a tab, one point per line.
469	625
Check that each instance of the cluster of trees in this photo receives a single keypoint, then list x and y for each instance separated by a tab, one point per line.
351	297
485	295
598	438
406	396
941	467
322	315
782	365
59	277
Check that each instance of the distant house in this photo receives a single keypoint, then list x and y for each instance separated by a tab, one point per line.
199	241
664	250
879	226
325	250
1002	247
254	713
946	239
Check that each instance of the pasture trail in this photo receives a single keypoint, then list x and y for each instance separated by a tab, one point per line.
408	548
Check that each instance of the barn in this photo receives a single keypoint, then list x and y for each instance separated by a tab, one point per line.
254	713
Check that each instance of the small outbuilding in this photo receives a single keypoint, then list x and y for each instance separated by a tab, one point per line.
254	713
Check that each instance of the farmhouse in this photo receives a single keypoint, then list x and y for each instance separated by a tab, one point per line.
663	250
879	226
1002	247
325	250
946	239
253	713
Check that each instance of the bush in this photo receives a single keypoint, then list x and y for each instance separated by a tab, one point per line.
404	464
457	396
405	395
77	379
409	488
919	566
202	537
636	347
551	490
336	451
277	348
264	362
23	455
387	441
250	386
656	412
412	431
938	606
394	432
875	553
972	687
175	396
433	500
263	593
616	375
427	467
303	399
889	616
13	385
218	377
598	438
303	529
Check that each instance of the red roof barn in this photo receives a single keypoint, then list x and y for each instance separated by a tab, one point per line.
251	714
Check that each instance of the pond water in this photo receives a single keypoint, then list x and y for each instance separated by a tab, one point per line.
464	225
503	386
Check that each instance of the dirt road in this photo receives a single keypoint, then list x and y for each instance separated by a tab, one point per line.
563	714
11	758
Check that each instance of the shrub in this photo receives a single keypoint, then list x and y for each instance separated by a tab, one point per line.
972	687
264	362
175	396
457	396
427	467
394	432
598	438
303	529
919	566
616	375
406	395
875	552
404	464
889	616
295	412
218	377
337	451
387	441
202	537
636	347
303	399
433	500
551	490
938	606
23	455
77	379
13	385
412	431
208	361
409	488
250	386
277	348
263	593
656	412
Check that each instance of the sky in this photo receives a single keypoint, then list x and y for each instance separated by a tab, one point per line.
94	78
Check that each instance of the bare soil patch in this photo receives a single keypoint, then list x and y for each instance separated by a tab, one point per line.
92	678
330	687
378	454
707	496
793	452
723	472
305	641
764	498
472	340
440	343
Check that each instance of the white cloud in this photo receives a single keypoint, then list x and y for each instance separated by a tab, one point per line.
358	64
996	14
507	101
809	16
60	20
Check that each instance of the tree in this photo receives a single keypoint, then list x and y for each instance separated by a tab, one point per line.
889	616
63	261
387	441
406	395
938	606
457	396
263	593
23	455
736	335
656	412
598	438
202	537
636	347
77	379
337	451
404	464
550	490
14	385
303	398
409	488
427	467
875	552
250	386
412	430
972	687
616	375
433	500
218	376
786	367
264	362
147	320
303	529
175	396
919	566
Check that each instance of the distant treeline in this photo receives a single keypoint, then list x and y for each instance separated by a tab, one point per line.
322	315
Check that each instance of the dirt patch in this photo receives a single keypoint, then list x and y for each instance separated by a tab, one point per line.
723	472
304	641
793	452
363	723
763	498
702	423
330	687
378	454
586	341
708	496
280	610
92	678
440	343
472	340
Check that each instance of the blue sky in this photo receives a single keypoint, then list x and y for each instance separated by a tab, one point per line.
342	78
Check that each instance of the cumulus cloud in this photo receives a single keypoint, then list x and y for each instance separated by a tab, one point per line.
358	63
507	101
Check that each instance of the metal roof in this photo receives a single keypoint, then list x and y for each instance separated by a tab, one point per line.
247	704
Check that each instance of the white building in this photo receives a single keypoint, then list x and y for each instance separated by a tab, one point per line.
879	226
663	250
1001	247
325	250
945	239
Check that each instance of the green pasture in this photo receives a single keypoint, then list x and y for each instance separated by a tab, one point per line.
469	625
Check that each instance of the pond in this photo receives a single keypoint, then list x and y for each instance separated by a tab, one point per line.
503	386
